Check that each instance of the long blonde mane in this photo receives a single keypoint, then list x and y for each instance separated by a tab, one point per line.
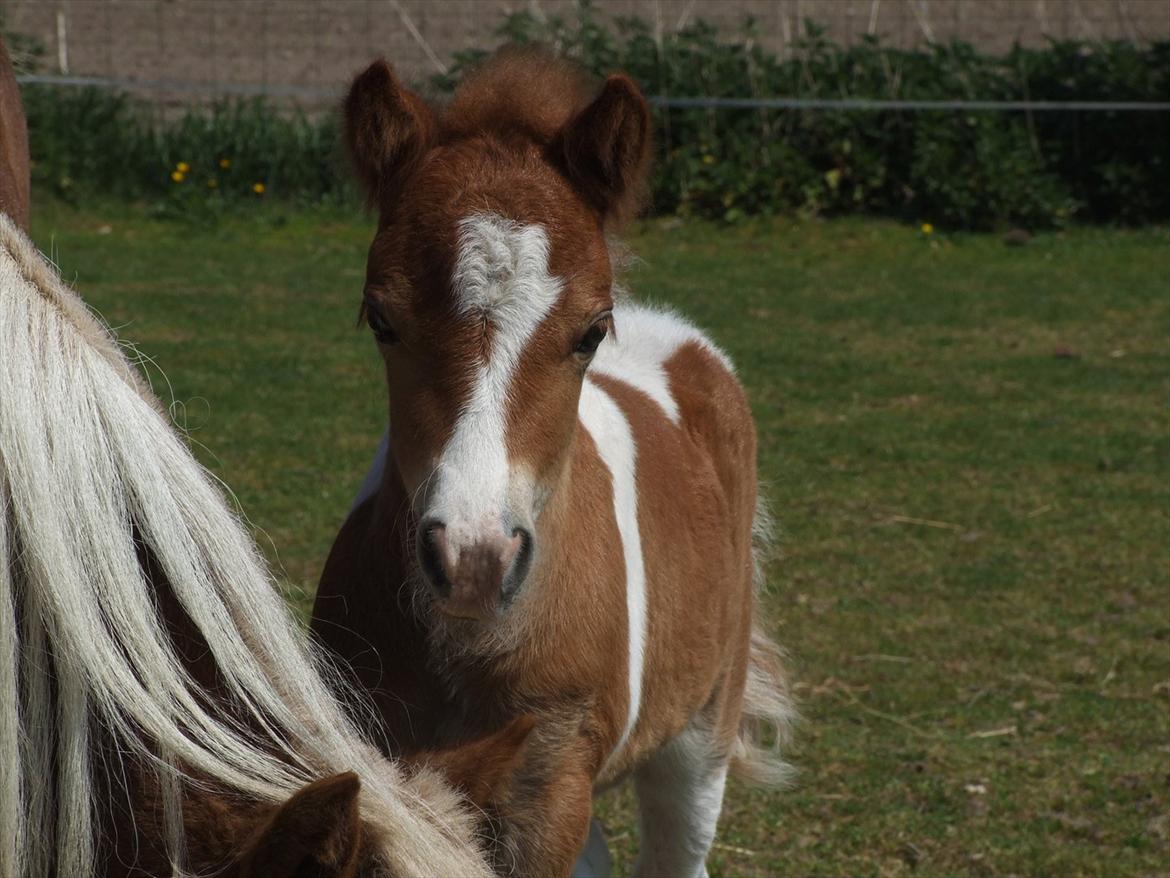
89	465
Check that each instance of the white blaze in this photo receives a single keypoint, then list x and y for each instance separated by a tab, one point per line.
501	276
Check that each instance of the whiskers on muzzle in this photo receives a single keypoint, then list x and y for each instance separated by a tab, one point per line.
474	574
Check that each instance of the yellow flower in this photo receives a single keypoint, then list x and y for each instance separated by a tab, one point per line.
178	176
225	163
182	167
258	188
708	159
213	183
927	229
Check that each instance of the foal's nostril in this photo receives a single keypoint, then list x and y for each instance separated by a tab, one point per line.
521	561
475	578
430	554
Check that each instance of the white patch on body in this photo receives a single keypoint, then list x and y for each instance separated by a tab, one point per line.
680	795
501	276
611	433
637	351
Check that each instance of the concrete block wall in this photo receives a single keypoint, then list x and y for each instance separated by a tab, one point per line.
318	45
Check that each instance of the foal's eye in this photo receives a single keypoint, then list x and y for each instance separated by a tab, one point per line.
594	335
378	324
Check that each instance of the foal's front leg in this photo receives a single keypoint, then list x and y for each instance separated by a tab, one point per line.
545	825
680	794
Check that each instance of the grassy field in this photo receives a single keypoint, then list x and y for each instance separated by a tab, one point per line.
967	447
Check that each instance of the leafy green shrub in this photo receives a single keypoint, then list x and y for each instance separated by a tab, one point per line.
962	168
1116	164
958	168
90	139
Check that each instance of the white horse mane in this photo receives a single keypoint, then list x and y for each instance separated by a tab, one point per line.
88	465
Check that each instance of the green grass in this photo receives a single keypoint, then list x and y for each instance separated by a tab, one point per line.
968	451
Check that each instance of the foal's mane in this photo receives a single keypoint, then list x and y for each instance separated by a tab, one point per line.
92	479
519	90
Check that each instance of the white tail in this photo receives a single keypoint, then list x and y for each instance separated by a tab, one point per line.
768	712
89	466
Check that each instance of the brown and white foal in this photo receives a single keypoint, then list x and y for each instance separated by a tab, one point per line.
560	521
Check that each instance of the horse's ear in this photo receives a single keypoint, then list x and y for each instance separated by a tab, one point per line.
317	831
386	128
606	149
482	769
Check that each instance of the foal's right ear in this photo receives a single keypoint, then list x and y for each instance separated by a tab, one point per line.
386	126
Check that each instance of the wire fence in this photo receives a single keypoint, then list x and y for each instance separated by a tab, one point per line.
665	101
970	137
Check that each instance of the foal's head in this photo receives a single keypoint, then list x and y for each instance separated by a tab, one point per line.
488	290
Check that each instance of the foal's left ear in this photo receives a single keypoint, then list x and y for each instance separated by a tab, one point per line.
317	831
606	149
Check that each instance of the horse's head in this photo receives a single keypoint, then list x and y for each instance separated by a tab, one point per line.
489	289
